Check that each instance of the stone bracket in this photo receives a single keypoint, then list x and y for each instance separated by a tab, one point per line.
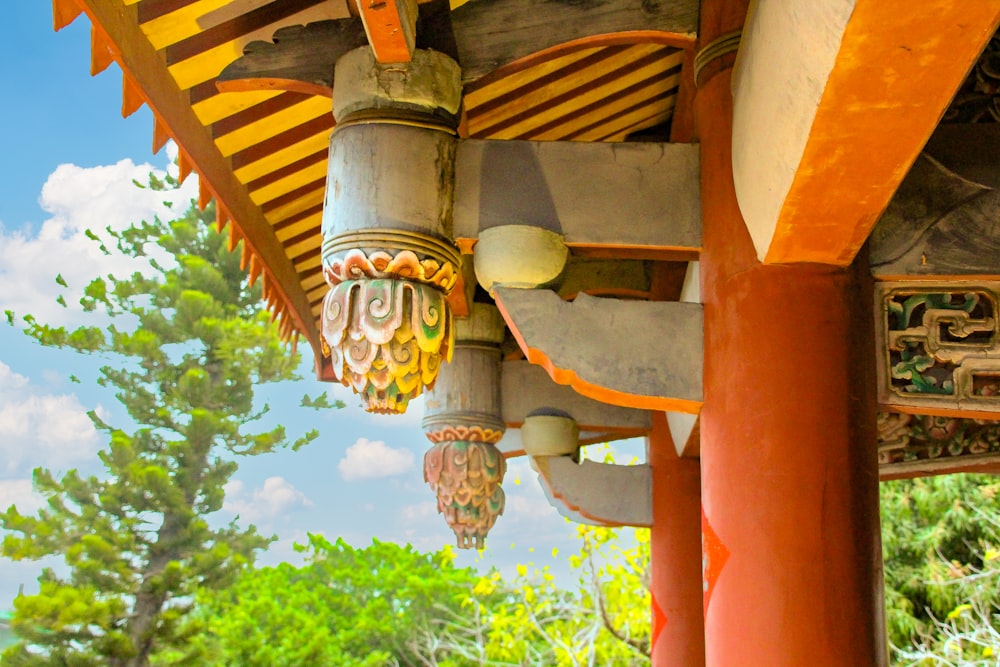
525	388
639	200
600	493
639	354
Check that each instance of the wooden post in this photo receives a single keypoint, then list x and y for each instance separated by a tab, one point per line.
463	419
792	559
387	252
678	638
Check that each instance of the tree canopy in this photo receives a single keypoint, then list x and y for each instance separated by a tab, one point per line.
184	343
391	605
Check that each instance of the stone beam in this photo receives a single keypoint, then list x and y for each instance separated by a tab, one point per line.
858	86
526	388
602	493
637	200
636	354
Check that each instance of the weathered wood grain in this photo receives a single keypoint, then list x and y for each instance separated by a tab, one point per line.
938	224
493	33
482	35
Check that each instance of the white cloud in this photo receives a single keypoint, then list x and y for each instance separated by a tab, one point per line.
276	497
372	459
420	511
19	492
77	199
41	429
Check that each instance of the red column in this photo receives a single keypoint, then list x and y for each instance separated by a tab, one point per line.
788	459
675	542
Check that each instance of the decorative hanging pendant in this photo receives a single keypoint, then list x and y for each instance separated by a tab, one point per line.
387	253
464	421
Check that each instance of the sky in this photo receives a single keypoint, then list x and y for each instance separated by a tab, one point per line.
67	161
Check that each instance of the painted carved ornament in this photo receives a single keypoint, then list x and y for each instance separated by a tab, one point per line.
466	476
386	319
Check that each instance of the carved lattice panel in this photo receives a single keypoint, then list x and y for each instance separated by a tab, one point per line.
939	345
925	439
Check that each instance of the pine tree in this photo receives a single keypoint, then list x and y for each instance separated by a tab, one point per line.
186	345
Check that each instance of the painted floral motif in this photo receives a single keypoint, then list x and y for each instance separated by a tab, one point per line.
466	477
467	433
387	339
904	438
403	265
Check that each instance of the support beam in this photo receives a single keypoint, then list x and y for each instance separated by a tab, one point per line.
525	388
483	36
603	493
647	205
938	225
493	33
605	348
391	26
859	85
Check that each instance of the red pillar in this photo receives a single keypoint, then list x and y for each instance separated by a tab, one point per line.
788	459
675	542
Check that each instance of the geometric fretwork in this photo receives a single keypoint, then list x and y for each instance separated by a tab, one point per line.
939	345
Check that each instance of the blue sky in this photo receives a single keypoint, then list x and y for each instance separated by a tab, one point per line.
66	160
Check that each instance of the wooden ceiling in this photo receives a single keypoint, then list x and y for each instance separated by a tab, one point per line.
260	151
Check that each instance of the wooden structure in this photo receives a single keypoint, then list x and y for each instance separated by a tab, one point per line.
765	240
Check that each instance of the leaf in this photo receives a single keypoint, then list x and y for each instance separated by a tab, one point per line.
60	280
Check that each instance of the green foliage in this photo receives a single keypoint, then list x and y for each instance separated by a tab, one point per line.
390	605
185	347
940	541
348	607
530	621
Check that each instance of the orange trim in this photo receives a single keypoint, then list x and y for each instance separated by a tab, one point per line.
682	124
264	83
184	166
64	12
566	376
245	255
100	54
173	112
255	269
234	237
221	217
386	31
456	299
160	134
132	99
895	74
204	194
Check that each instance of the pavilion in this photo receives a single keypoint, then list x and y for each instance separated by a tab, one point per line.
763	237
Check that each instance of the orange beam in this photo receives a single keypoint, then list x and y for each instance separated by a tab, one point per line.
897	68
391	26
